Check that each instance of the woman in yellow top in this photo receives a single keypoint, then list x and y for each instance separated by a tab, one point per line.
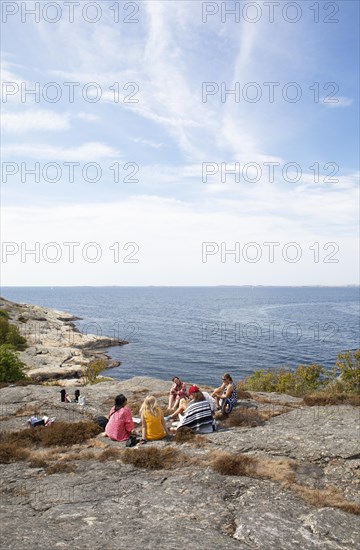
152	419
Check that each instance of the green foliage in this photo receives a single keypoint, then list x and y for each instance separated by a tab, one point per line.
348	366
4	313
92	370
9	334
299	382
11	368
312	380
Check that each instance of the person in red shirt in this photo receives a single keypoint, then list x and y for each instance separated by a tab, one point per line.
120	423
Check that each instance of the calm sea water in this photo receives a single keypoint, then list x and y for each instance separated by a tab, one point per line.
198	333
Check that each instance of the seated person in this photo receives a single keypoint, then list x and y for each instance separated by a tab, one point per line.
177	392
152	419
198	416
227	390
183	403
120	424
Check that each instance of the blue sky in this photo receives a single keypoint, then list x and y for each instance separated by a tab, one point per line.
170	132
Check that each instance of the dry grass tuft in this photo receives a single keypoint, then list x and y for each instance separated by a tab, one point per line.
111	453
60	468
58	434
229	464
152	458
245	417
242	394
326	497
10	452
28	409
323	398
283	472
270	413
38	463
62	433
184	435
280	470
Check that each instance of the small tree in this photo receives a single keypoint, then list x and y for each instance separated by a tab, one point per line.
11	368
92	370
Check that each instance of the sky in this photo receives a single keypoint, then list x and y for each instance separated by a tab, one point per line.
180	143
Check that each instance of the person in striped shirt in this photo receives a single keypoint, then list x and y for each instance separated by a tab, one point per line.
198	415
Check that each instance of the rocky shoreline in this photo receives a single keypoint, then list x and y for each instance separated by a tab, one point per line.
56	348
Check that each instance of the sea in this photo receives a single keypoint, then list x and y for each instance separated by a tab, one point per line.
198	333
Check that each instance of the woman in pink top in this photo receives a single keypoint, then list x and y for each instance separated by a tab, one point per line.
120	423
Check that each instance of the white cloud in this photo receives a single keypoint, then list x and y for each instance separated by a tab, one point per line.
35	120
88	117
334	102
91	151
148	142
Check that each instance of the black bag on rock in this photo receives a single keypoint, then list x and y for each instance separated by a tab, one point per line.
132	441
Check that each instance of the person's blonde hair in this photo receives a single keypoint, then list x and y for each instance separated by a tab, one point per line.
151	406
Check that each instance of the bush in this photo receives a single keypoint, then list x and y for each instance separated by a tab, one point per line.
299	382
11	368
9	334
348	366
4	314
92	370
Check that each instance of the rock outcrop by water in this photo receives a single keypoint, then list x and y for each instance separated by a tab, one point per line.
56	349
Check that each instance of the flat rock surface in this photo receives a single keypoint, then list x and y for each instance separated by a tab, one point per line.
111	505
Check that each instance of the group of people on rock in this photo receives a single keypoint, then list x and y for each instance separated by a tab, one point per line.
191	408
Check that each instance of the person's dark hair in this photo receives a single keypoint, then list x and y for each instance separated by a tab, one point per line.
175	378
120	401
197	396
228	377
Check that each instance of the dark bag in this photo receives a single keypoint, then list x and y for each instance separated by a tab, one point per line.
132	441
101	421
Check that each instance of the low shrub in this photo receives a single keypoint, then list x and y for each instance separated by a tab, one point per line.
151	458
311	379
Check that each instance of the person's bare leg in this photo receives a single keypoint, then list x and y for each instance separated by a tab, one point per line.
171	402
